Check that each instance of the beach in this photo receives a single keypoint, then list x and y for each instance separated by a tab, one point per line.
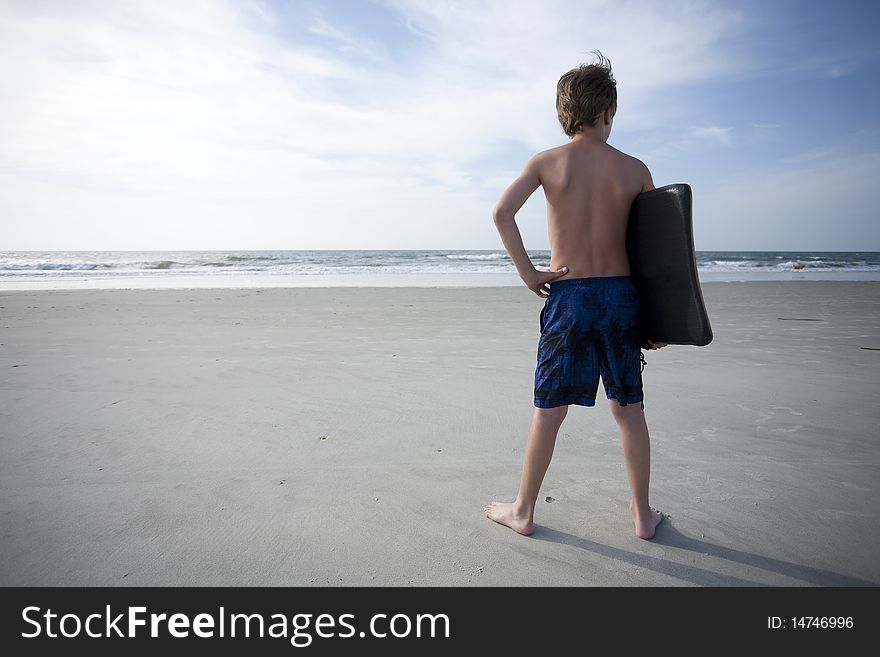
345	436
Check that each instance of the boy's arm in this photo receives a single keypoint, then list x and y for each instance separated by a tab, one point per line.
504	215
647	186
647	179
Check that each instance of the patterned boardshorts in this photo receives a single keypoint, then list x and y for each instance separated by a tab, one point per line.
589	327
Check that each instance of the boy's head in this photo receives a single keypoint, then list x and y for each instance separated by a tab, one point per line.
584	93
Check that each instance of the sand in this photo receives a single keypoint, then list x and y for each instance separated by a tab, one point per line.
351	436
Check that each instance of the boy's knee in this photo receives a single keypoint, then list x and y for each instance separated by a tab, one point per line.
621	412
556	413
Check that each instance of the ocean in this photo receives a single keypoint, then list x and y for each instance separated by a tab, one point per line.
439	268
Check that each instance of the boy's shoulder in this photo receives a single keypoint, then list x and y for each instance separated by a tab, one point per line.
547	157
637	166
632	159
567	148
550	154
548	160
546	154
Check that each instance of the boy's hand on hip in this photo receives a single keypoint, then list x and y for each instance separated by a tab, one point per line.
657	345
537	281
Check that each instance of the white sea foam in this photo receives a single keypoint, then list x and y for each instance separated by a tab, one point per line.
44	267
477	256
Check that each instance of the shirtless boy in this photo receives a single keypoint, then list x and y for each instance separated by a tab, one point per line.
589	322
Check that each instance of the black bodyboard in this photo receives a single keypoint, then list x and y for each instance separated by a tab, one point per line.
663	264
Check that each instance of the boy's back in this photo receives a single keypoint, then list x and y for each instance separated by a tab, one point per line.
590	186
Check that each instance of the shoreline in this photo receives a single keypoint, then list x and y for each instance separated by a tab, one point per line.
416	280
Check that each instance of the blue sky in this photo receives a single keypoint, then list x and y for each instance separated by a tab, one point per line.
397	124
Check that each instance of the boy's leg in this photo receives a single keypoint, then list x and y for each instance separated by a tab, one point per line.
637	453
519	515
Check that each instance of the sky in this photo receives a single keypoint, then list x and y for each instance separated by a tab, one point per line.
397	124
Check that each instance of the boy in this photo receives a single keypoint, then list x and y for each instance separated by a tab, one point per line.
589	323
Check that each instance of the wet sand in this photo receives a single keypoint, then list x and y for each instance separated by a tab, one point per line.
351	436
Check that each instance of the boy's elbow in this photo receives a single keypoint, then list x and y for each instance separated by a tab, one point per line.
501	213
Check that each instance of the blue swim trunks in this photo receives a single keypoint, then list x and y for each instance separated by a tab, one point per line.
589	327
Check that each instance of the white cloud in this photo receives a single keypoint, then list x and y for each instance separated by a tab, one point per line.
711	133
694	140
348	42
127	124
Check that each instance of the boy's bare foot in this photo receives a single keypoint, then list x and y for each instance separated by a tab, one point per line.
646	527
505	514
